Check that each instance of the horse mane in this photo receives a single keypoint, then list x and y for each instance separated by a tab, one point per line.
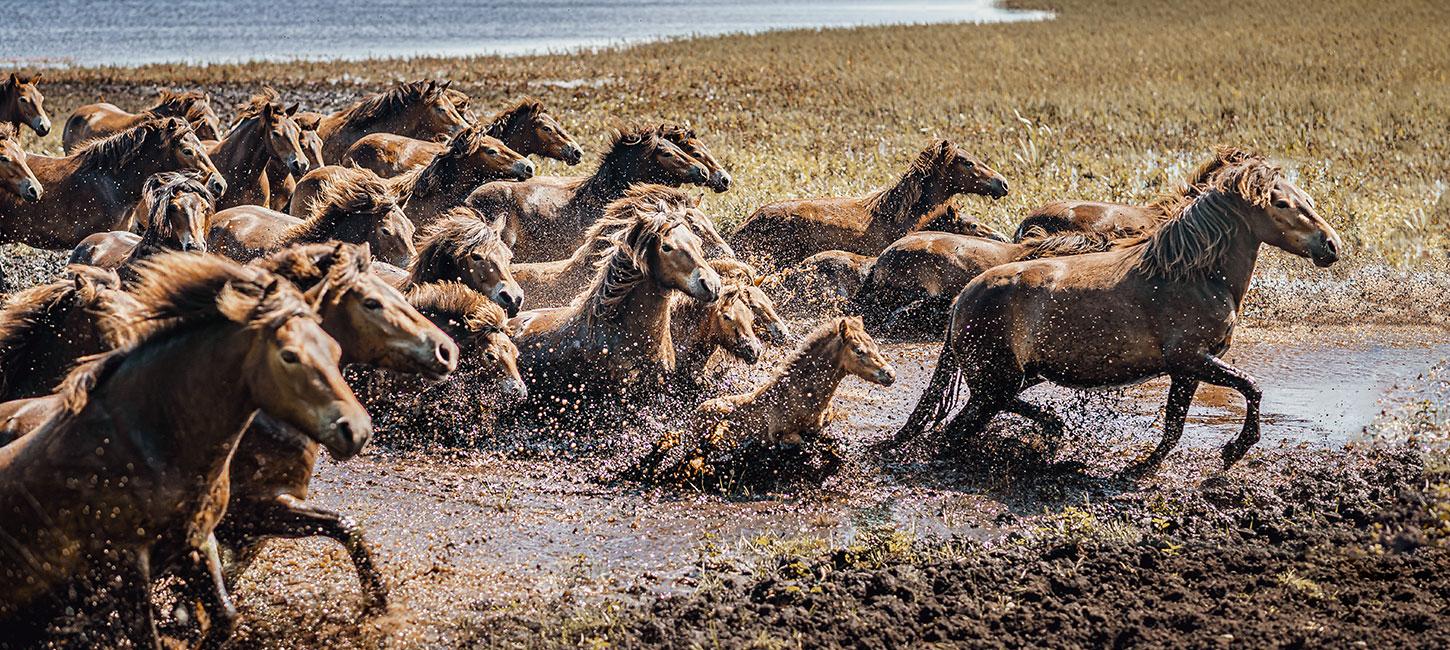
392	102
157	192
357	191
893	204
9	131
1195	240
266	100
189	105
526	108
334	265
43	305
458	231
1038	244
118	150
427	179
732	269
624	147
1168	203
456	304
618	272
813	346
177	291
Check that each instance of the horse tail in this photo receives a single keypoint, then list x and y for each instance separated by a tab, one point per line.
941	394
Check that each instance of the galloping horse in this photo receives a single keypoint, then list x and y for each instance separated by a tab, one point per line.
787	232
546	215
46	328
462	247
1167	305
417	109
15	174
22	103
175	209
199	318
264	134
101	120
95	189
280	180
525	127
719	180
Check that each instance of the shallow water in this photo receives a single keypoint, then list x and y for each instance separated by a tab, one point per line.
91	32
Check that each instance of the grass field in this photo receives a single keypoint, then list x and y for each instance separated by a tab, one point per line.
1111	100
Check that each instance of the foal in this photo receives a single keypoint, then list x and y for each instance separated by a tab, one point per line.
15	174
175	209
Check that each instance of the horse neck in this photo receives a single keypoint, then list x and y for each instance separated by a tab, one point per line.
1235	266
10	109
440	266
596	191
149	245
511	133
810	379
242	155
641	317
690	330
897	208
332	224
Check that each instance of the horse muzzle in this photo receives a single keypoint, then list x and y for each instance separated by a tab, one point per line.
41	126
512	389
704	287
346	436
886	376
523	170
1325	252
997	188
749	351
31	190
699	175
777	333
216	185
298	165
719	181
573	155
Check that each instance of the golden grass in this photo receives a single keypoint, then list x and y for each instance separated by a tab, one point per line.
1109	101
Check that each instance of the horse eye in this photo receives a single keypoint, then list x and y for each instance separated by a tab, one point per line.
387	232
968	164
492	358
373	303
491	151
1281	204
288	356
667	248
26	100
729	318
477	257
188	152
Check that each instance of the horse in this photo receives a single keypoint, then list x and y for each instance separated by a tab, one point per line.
355	208
95	189
908	289
822	282
948	218
787	232
176	209
698	329
469	159
264	133
273	464
15	174
417	109
554	283
614	338
46	328
157	462
770	327
93	121
21	103
463	248
719	180
1167	305
1121	220
525	127
548	214
280	179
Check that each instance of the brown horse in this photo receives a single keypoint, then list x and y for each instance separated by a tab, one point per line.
45	329
1167	305
157	462
469	159
615	337
264	133
547	215
909	289
948	218
280	180
787	232
685	139
698	329
417	109
768	323
22	103
1120	220
94	121
176	210
15	174
462	247
525	127
354	208
822	282
96	189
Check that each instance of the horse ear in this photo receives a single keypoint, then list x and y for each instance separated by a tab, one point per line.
759	279
12	80
445	85
292	110
37	77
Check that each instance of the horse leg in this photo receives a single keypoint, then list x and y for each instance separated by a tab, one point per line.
1214	371
288	517
981	407
1051	424
135	607
202	574
1180	395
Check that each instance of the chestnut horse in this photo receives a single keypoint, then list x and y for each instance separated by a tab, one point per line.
176	210
417	109
547	215
787	232
46	328
469	159
719	180
768	324
615	337
15	174
95	189
525	127
462	247
94	121
909	288
264	133
280	180
22	103
157	461
699	328
1167	305
355	208
1120	220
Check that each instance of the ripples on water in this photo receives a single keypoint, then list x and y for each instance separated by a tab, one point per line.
92	32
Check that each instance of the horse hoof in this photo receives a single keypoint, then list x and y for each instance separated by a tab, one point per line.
375	606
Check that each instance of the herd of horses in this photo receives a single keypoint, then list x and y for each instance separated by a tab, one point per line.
304	278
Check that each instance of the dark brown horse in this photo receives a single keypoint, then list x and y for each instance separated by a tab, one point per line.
15	174
94	121
908	290
157	462
615	337
264	134
462	247
525	127
45	329
96	189
546	216
176	211
787	232
355	208
1120	220
22	103
1167	305
280	180
417	109
685	139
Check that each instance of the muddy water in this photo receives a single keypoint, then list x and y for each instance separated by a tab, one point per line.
460	533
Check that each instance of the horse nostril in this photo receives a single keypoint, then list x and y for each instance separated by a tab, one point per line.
1330	246
444	354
